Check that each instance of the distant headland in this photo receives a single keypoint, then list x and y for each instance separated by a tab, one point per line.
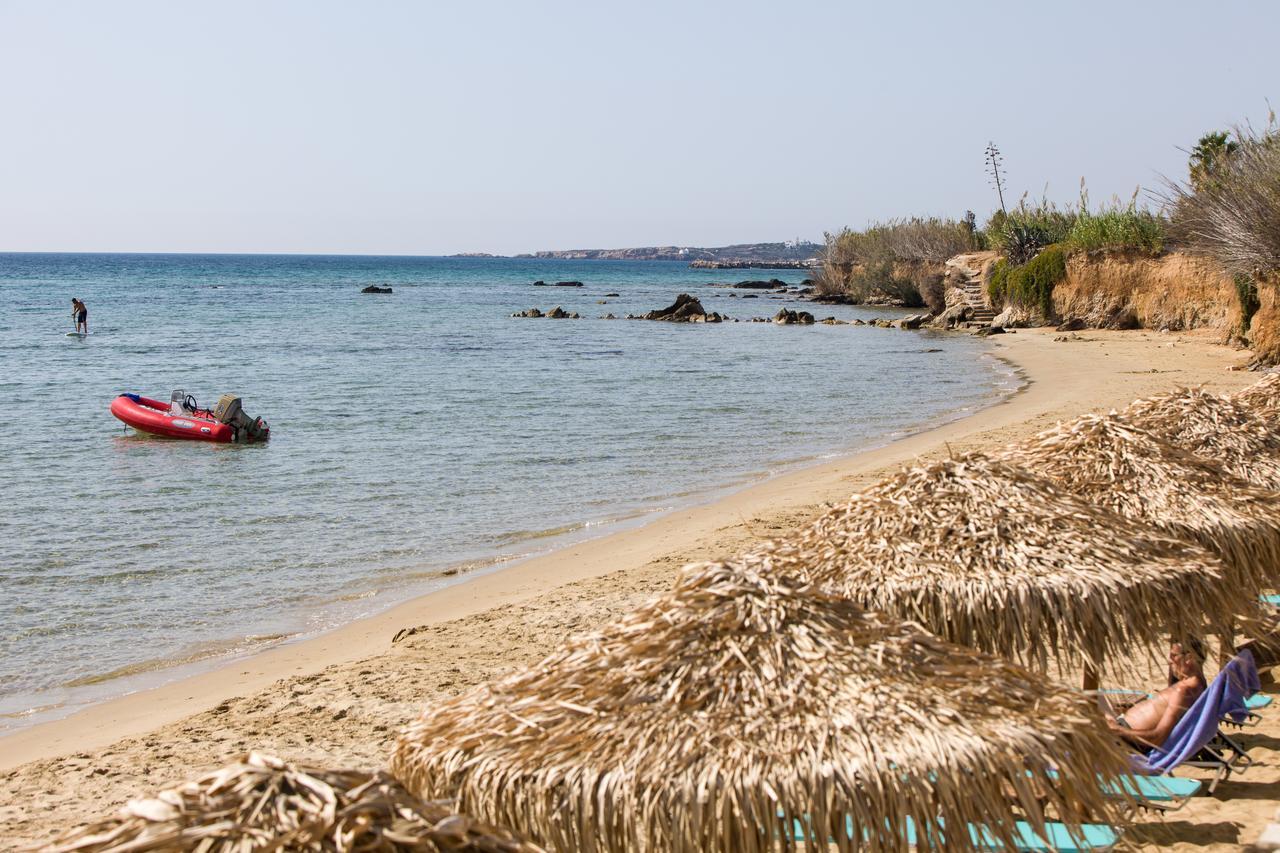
791	254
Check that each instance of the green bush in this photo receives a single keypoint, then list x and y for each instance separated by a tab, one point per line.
1116	227
999	282
1030	285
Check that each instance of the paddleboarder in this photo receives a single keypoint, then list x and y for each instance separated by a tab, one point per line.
80	314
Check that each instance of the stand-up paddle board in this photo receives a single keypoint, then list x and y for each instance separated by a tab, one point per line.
78	334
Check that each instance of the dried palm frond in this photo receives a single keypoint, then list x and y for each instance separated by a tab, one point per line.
1263	396
987	555
744	700
262	803
1236	436
1116	465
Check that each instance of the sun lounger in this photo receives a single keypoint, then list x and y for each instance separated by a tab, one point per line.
1057	838
1197	740
1272	599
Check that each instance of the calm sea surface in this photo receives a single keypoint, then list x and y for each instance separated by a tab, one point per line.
416	438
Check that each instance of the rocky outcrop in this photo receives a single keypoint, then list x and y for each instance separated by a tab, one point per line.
541	283
373	288
686	309
1018	317
954	316
914	321
771	284
530	312
787	317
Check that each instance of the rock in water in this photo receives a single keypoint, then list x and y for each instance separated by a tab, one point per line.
787	317
684	310
373	288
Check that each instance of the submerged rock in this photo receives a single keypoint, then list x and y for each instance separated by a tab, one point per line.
373	288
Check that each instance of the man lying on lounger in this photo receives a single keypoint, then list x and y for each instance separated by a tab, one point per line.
1149	722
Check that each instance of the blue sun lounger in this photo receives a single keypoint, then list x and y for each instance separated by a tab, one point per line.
1057	838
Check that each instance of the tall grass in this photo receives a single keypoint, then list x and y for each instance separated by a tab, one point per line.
1234	215
1117	226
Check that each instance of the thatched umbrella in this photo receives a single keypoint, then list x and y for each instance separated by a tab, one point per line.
1263	396
1236	436
262	803
990	556
744	700
1116	465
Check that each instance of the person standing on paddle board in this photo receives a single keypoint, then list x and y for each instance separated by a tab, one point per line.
80	314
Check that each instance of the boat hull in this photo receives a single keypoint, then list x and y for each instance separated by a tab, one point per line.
152	416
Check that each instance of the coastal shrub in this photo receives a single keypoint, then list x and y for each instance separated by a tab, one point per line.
1031	284
1233	213
1021	233
999	282
887	261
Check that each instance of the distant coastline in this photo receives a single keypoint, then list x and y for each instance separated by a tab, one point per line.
792	254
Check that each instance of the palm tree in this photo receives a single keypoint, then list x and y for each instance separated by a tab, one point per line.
1209	154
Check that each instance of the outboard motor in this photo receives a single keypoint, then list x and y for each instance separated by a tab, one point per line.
243	428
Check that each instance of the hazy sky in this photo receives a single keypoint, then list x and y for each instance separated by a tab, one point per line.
432	128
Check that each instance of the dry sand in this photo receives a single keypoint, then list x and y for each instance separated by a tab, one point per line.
340	698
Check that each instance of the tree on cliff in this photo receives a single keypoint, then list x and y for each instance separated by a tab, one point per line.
1208	157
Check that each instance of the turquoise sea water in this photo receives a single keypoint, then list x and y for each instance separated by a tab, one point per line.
416	438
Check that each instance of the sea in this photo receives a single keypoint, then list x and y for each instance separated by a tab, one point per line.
417	438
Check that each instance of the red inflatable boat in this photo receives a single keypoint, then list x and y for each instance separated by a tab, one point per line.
183	418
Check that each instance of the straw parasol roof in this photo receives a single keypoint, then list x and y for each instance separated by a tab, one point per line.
1263	396
1117	465
744	699
1236	436
262	803
988	555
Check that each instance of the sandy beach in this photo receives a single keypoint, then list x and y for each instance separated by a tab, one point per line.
340	698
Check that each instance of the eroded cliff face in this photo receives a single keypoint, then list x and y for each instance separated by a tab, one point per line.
1175	291
1264	329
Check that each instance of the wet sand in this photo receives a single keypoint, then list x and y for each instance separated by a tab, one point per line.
340	698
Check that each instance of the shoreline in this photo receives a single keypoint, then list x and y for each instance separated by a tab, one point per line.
340	698
507	585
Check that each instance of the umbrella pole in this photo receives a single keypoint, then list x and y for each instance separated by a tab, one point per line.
1090	680
1227	643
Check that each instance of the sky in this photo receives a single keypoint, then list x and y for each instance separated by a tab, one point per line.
386	127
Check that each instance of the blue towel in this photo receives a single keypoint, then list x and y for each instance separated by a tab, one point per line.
1225	696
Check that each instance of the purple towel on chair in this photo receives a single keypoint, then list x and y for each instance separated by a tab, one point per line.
1224	696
